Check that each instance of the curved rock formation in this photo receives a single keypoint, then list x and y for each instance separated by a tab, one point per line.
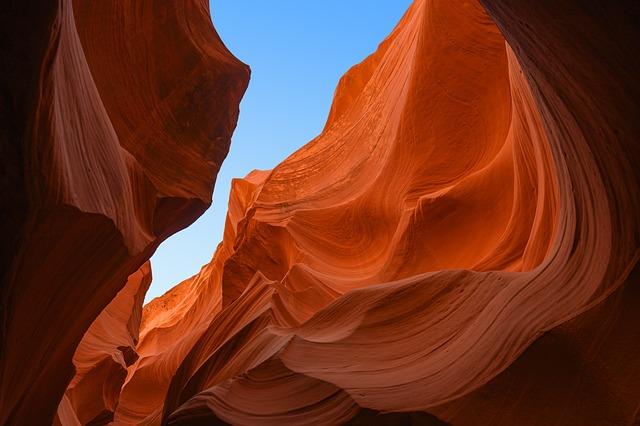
105	352
466	196
456	246
116	116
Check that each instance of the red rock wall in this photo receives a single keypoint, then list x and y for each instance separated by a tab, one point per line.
466	197
456	246
105	352
580	59
116	116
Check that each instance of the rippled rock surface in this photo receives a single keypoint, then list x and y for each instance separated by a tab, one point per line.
115	118
456	241
458	246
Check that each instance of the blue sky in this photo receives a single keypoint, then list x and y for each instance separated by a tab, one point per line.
297	50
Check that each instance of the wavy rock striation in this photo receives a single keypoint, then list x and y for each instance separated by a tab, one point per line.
467	196
116	116
456	246
105	352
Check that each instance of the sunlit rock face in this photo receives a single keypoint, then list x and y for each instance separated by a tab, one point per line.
457	246
456	241
116	116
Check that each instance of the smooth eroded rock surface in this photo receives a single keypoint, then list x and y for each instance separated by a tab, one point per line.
115	118
104	354
458	246
469	196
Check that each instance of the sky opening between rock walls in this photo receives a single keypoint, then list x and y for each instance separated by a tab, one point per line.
297	52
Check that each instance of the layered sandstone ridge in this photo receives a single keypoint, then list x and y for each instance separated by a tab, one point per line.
116	116
466	196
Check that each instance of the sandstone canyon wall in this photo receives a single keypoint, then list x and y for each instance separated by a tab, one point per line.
459	245
467	198
116	116
102	358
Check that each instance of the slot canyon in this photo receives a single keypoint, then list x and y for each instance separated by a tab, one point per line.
459	245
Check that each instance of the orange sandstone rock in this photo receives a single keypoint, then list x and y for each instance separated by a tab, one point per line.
105	352
466	196
456	246
116	116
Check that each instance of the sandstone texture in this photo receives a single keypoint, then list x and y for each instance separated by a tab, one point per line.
456	241
458	246
115	118
105	352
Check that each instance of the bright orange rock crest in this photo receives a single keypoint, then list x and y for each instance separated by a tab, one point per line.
457	245
438	226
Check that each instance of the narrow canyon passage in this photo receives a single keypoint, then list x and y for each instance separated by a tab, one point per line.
458	246
297	56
